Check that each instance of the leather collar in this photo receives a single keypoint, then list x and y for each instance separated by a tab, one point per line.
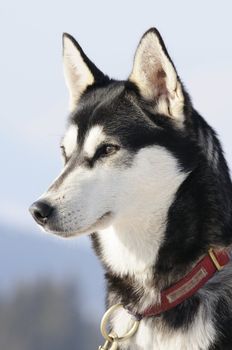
205	269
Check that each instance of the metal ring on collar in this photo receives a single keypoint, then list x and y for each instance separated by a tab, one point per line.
104	323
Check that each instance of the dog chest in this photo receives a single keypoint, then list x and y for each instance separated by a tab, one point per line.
153	335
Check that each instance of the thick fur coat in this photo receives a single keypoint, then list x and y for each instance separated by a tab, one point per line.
145	176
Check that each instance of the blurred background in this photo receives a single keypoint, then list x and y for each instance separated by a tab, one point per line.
52	290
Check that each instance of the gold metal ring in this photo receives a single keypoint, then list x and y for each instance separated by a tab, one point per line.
104	322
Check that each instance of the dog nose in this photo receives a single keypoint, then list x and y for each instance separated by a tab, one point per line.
40	212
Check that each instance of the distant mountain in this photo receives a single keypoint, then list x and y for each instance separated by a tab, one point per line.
27	257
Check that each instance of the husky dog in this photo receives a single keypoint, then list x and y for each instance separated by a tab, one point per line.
145	176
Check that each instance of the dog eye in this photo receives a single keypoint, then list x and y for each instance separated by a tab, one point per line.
106	150
110	149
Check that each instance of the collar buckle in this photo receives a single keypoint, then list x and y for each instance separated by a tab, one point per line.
214	259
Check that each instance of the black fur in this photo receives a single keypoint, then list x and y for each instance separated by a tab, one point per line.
201	214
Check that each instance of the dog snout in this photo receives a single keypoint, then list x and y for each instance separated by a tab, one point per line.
41	211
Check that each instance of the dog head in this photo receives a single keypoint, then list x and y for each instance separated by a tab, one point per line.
125	148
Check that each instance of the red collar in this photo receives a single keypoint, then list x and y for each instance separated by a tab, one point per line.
191	283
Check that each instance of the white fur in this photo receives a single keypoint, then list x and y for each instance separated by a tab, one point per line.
93	139
149	186
77	74
146	187
131	243
76	201
70	140
151	335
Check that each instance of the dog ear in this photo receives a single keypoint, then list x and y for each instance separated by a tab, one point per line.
156	77
79	71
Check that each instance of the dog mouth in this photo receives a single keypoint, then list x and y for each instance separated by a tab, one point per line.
100	223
